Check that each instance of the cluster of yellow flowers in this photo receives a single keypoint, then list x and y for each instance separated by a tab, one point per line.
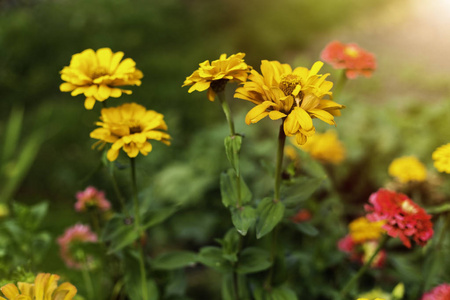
295	96
98	75
407	169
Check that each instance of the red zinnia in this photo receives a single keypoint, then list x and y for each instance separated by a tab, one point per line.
404	218
355	60
441	292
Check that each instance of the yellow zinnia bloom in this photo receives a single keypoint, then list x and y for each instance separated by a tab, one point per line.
441	157
215	75
407	168
362	230
98	74
129	127
325	147
296	96
45	287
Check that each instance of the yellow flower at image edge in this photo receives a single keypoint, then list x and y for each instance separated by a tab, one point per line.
441	158
98	74
45	287
407	168
297	96
215	75
129	127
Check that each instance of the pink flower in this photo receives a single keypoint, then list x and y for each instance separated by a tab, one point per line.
91	197
78	233
355	60
404	218
361	252
441	292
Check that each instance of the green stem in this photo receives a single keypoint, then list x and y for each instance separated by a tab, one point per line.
273	254
117	191
340	84
87	278
280	153
227	111
364	268
137	222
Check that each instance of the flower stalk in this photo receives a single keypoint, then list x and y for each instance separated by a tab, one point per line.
364	268
280	152
137	224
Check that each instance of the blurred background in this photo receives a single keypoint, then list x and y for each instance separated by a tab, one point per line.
401	110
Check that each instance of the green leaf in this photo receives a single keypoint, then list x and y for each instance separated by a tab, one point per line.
228	287
12	133
213	257
277	293
300	190
230	245
229	189
270	214
243	218
133	281
174	260
232	148
307	229
19	168
154	217
119	233
252	260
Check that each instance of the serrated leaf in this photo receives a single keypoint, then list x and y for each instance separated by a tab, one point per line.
229	189
252	260
270	214
174	260
243	218
232	148
213	257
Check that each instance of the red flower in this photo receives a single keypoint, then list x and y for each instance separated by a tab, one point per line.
302	215
404	218
91	198
351	57
441	292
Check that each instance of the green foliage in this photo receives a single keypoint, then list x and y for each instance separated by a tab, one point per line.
270	213
174	260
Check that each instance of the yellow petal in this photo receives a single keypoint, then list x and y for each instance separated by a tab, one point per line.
275	115
315	68
10	291
211	94
112	154
65	291
104	56
104	91
258	112
303	118
89	103
67	87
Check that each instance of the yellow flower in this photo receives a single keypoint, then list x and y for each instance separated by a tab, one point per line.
296	96
45	287
325	147
98	74
130	126
407	168
213	77
441	157
361	230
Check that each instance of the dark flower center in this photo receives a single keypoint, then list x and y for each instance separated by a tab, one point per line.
218	85
135	129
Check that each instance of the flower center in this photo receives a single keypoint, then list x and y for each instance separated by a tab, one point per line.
351	51
135	129
99	72
408	207
288	83
218	85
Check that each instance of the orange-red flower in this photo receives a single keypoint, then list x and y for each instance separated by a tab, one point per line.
404	218
355	60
